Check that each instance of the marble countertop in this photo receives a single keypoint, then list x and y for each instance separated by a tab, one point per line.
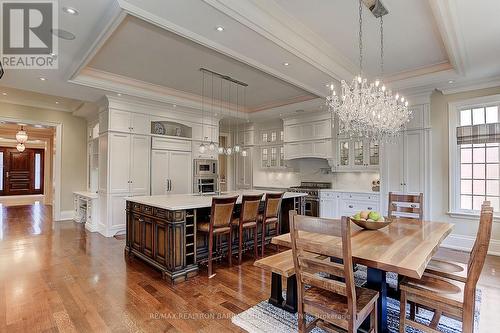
91	195
349	191
192	201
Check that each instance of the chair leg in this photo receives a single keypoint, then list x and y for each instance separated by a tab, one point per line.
435	319
402	312
240	244
302	321
412	310
210	248
255	245
230	246
373	319
263	239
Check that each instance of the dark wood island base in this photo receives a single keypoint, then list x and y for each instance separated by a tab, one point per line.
167	239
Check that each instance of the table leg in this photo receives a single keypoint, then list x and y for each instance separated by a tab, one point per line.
276	298
377	281
291	294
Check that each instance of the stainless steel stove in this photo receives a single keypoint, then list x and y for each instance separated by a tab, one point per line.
312	198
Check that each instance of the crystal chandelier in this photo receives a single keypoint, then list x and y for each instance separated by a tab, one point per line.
369	109
22	136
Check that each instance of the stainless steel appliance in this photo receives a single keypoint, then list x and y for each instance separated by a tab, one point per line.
312	198
205	176
205	168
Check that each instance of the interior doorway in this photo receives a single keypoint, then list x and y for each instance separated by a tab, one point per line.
22	173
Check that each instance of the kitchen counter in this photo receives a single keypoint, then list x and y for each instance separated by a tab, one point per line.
193	201
349	191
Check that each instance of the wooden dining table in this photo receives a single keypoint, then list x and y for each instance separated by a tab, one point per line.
404	247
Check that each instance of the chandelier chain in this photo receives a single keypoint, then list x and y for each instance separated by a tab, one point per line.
382	46
360	37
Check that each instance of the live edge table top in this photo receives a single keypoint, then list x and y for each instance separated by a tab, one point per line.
404	247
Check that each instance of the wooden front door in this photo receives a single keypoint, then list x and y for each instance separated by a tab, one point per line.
22	172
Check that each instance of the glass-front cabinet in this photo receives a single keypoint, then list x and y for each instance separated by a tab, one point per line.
272	157
271	136
357	155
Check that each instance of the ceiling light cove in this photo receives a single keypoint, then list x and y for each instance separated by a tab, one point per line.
69	10
286	64
219	28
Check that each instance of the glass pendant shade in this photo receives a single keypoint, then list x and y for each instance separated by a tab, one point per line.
237	148
221	150
202	149
22	136
20	147
244	153
229	151
211	146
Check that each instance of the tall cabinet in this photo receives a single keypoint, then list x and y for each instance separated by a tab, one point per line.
405	162
124	164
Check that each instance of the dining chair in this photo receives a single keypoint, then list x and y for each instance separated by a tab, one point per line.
270	216
445	295
220	224
331	297
407	205
248	221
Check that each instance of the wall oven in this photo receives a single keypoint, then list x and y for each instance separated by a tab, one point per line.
205	168
205	185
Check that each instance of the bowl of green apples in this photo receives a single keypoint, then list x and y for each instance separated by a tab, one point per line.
370	220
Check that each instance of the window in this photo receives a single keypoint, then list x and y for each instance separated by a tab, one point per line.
475	150
1	171
38	171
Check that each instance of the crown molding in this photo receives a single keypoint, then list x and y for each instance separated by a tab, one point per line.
469	85
269	20
445	15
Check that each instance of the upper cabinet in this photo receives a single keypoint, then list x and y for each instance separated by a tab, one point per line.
315	130
124	121
271	136
357	155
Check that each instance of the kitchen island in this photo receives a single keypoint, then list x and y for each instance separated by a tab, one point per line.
161	230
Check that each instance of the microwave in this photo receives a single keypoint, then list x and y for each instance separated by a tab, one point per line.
205	185
205	168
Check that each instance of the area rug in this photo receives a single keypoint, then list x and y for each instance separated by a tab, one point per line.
265	317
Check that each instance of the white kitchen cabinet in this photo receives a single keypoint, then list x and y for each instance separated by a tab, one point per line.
357	155
243	172
307	130
272	157
246	138
171	172
271	136
405	166
315	149
205	133
208	154
335	204
129	164
124	121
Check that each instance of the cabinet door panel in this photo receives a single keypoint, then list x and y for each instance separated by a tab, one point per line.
159	172
414	162
322	148
119	121
292	150
119	163
136	237
180	172
293	132
307	132
140	123
322	129
244	170
140	165
160	242
147	237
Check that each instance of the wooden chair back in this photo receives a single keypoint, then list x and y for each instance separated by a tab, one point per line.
272	204
308	266
250	208
406	205
222	211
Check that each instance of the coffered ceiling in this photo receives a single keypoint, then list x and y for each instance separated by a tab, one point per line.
152	49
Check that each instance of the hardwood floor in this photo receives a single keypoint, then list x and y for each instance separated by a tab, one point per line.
58	277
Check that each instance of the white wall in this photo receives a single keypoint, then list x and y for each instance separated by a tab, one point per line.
465	229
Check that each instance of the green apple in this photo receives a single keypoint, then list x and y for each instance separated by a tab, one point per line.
374	216
357	216
381	219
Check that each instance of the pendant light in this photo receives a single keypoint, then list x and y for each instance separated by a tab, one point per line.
202	149
229	150
212	145
237	147
22	136
20	147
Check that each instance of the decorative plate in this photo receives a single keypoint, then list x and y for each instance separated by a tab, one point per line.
158	128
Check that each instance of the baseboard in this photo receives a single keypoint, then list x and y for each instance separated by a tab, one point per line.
65	215
91	227
465	243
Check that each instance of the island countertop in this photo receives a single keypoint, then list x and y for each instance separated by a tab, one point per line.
193	201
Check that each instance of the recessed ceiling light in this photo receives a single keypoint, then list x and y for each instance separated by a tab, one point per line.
285	64
451	81
5	94
119	95
174	105
69	10
38	126
42	79
57	102
63	34
219	28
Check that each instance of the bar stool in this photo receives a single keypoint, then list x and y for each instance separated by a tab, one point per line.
247	221
271	215
219	224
